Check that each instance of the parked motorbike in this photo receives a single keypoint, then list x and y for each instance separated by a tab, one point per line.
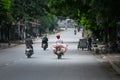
59	49
29	51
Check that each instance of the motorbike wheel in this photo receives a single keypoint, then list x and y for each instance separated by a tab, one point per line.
29	54
82	48
44	48
59	56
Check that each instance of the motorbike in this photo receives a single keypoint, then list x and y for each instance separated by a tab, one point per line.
59	49
29	51
75	32
44	46
58	52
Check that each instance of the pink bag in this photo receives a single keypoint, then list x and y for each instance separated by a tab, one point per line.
64	46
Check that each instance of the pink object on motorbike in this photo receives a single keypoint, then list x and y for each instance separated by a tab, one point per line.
61	45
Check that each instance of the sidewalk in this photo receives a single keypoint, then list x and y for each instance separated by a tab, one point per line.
5	45
112	58
12	44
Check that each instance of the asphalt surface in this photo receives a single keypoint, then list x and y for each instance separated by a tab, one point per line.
44	65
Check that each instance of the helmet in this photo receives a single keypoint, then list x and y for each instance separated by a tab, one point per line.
58	36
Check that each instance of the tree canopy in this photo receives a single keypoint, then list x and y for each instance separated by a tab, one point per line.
29	9
4	10
93	14
96	15
27	13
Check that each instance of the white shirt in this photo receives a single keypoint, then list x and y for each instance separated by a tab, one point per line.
59	41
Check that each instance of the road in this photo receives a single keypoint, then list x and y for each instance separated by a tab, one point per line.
44	65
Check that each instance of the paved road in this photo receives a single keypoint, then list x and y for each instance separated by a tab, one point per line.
44	65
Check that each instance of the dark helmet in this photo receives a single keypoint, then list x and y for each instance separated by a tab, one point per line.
58	36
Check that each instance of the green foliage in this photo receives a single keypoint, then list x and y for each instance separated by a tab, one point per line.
86	22
99	16
28	9
5	14
69	8
97	6
4	5
97	12
49	21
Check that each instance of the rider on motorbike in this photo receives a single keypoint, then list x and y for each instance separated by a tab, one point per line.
29	42
59	43
58	39
45	40
75	32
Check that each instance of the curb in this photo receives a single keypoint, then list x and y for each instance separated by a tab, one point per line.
117	69
7	46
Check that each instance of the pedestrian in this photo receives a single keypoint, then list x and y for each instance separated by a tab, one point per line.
82	32
89	42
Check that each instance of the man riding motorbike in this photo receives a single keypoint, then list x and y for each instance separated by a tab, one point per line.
29	42
44	40
29	47
59	45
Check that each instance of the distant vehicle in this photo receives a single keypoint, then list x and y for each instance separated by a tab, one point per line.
82	44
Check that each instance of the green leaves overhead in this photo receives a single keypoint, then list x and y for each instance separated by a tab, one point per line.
29	8
107	10
4	5
49	21
4	10
96	15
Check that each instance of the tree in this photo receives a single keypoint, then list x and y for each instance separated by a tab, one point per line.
5	15
47	22
5	19
29	9
98	15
